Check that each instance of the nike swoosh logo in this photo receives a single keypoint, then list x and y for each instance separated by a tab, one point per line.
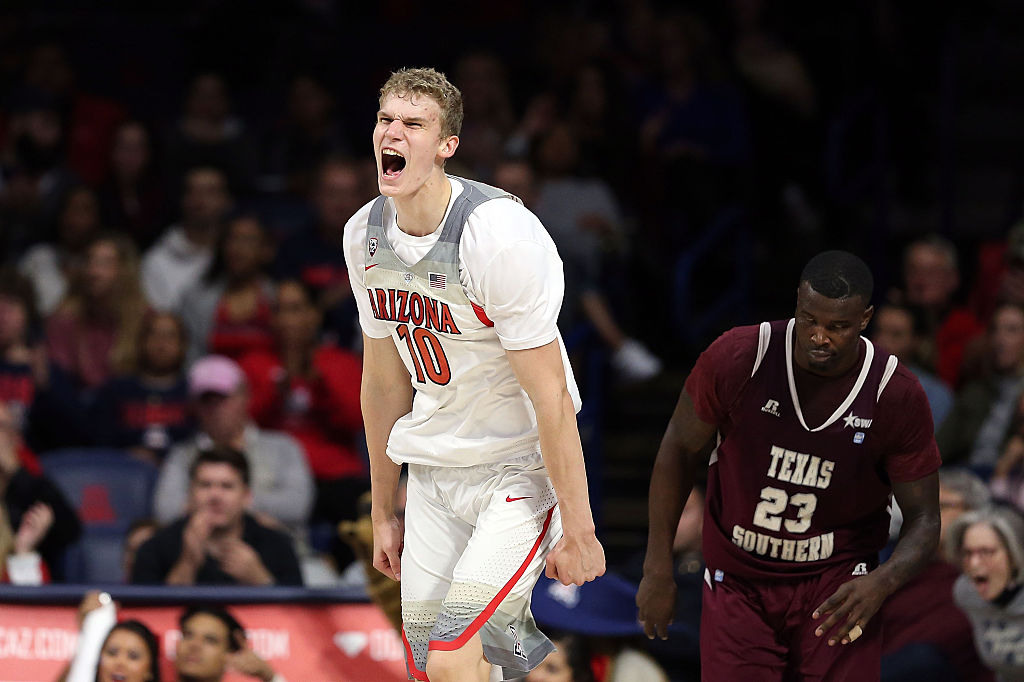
516	499
371	266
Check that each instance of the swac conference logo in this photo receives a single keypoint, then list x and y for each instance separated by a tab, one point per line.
856	422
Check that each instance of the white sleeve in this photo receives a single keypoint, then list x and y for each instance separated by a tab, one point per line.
522	289
170	494
25	568
512	269
154	284
355	260
289	498
95	627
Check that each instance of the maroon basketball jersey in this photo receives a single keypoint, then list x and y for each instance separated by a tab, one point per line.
787	497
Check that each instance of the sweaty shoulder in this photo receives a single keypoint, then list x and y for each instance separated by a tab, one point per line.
721	372
354	240
906	426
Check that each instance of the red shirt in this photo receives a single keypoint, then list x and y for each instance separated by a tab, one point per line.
81	346
320	411
234	338
951	338
786	497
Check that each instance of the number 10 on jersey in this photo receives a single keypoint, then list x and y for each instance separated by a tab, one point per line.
427	355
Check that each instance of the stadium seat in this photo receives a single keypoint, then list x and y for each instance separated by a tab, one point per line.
109	490
96	558
106	487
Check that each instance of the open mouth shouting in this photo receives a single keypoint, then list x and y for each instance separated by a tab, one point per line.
981	583
392	163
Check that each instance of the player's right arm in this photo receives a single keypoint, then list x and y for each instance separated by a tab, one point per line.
682	452
714	384
385	395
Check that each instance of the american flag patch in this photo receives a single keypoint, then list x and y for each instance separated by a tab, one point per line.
437	280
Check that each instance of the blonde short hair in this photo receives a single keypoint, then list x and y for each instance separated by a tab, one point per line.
432	84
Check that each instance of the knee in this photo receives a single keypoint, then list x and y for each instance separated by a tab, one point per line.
442	666
456	666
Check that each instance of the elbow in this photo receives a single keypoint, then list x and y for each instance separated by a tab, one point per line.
554	400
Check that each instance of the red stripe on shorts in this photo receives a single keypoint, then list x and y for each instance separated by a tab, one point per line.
479	621
417	674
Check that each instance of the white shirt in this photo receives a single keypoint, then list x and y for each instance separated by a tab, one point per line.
41	264
509	267
172	265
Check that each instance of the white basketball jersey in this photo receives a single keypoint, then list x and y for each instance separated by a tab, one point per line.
468	407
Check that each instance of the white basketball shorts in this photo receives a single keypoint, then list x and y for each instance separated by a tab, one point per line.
475	543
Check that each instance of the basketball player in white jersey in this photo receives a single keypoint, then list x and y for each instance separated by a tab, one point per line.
465	379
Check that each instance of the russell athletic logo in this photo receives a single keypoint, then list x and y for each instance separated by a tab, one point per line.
772	408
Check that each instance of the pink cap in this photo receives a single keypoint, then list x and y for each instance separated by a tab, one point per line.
215	374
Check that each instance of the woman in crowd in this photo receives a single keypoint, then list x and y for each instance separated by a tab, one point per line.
36	521
229	311
129	654
989	546
95	330
131	199
146	410
129	651
50	265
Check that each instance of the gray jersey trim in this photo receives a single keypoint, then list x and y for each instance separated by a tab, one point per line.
447	246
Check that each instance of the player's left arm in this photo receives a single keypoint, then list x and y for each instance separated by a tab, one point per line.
912	467
856	601
578	557
520	284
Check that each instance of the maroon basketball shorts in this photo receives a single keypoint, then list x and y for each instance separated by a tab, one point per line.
753	629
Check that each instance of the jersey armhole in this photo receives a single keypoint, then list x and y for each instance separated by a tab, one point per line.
890	369
764	337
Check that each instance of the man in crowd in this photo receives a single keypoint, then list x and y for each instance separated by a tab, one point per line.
212	643
218	542
184	252
282	486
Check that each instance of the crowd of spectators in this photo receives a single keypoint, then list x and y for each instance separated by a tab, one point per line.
172	281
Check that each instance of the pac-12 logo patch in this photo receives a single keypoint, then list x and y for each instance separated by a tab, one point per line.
373	246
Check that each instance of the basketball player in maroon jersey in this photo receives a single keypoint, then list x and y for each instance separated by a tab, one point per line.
814	428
